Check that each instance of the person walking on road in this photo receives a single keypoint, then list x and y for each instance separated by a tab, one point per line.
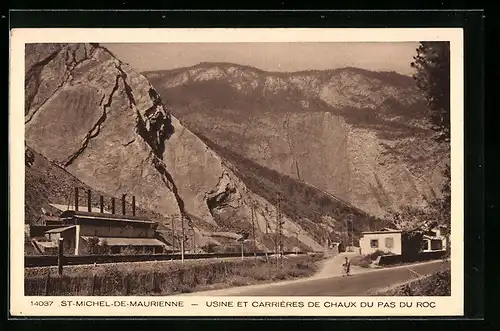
347	267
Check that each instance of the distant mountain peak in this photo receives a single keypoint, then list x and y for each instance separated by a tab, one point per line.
240	87
332	71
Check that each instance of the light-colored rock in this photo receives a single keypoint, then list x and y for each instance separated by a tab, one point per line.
363	136
104	123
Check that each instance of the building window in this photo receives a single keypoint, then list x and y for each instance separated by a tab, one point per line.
389	242
436	245
374	243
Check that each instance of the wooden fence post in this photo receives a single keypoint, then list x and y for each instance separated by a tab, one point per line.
47	283
126	281
153	277
60	256
93	284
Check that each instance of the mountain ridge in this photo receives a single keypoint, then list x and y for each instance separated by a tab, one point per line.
104	124
375	126
208	64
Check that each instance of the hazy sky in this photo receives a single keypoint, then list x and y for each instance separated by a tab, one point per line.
270	56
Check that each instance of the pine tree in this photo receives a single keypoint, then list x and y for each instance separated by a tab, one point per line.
432	65
432	76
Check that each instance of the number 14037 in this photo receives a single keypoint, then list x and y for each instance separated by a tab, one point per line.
45	303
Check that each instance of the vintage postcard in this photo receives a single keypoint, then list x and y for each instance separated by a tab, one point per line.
236	172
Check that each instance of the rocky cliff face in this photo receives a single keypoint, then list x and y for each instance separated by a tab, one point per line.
96	118
359	135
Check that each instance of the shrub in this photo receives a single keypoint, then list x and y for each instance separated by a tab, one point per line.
129	250
437	284
95	247
361	261
239	281
365	261
210	248
373	256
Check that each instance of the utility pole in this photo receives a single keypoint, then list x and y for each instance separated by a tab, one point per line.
182	238
346	235
194	240
276	229
280	232
173	235
297	240
253	233
352	231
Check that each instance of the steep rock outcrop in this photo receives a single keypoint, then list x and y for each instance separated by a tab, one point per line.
99	129
101	121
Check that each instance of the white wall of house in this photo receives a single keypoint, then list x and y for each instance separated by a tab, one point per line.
389	242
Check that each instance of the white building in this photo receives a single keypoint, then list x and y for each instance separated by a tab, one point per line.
434	241
386	240
392	241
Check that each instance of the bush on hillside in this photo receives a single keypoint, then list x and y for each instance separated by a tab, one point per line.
437	284
365	261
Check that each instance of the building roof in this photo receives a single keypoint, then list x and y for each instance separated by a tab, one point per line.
106	217
51	218
113	241
58	230
426	236
47	244
381	231
72	207
388	230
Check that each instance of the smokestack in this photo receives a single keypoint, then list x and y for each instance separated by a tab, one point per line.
76	198
89	200
101	203
133	205
112	205
123	204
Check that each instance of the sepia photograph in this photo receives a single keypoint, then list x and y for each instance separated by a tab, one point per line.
151	167
249	169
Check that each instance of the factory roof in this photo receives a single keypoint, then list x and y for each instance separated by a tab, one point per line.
106	217
72	207
60	229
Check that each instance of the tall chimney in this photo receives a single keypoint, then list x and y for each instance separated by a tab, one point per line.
76	198
101	203
133	205
112	205
123	204
89	200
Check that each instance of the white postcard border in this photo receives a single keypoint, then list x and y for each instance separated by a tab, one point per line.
21	305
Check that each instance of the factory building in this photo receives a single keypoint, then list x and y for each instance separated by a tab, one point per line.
82	230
